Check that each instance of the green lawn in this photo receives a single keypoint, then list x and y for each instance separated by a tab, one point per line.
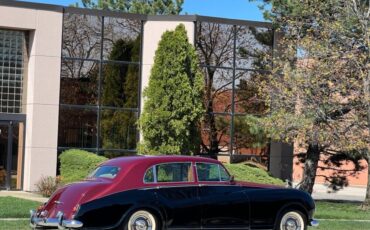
11	207
342	210
15	225
252	174
341	225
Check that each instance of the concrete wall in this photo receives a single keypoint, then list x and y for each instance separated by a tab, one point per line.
42	87
153	31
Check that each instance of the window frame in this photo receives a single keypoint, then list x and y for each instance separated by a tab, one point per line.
219	172
153	167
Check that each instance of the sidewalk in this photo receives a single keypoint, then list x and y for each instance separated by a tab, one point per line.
351	193
23	195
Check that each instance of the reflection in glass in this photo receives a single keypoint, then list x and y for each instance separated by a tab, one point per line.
124	33
254	47
81	36
77	127
79	82
120	85
118	129
246	97
250	140
215	44
218	89
218	132
15	170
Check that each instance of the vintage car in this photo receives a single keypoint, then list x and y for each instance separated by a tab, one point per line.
172	192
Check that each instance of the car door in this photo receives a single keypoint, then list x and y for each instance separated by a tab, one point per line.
178	194
224	206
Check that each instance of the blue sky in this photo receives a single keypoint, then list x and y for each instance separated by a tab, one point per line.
237	9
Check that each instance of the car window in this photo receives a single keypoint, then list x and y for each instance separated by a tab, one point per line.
149	176
105	172
211	172
174	172
224	174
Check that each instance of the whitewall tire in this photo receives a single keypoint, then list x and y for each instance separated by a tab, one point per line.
142	220
292	220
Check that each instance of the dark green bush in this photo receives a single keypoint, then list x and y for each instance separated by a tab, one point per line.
76	164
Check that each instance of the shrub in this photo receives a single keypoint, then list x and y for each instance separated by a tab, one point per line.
76	164
245	172
46	186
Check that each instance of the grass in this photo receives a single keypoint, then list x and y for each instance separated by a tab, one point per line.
341	225
342	210
11	207
342	215
15	225
248	173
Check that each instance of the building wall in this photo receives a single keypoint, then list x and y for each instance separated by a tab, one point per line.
42	88
359	179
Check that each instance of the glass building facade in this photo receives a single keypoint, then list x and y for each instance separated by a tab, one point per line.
99	84
234	58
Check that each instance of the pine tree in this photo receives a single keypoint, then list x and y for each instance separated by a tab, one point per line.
152	7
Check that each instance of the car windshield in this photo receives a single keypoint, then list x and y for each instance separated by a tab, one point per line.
105	172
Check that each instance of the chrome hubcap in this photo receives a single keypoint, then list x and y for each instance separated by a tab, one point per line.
140	224
142	220
292	221
291	224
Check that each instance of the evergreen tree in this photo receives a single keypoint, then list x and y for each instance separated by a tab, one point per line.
173	104
153	7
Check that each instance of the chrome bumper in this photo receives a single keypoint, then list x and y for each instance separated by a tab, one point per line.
314	223
58	222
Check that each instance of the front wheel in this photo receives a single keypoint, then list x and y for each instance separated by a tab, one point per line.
292	220
141	220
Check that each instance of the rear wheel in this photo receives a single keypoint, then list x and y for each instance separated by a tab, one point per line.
292	220
141	220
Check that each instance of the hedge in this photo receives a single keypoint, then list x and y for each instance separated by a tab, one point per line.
76	164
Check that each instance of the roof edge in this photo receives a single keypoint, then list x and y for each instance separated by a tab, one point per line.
143	17
32	5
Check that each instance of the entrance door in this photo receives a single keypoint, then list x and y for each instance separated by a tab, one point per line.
11	154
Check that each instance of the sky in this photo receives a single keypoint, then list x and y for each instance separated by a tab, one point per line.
236	9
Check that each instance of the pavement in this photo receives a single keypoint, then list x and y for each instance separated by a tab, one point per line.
350	193
23	195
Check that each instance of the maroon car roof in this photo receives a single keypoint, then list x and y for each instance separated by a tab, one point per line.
120	161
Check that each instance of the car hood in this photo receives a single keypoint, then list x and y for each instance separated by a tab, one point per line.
68	198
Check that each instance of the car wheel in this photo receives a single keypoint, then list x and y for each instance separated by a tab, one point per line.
292	220
141	220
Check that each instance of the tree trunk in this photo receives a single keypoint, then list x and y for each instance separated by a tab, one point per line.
366	86
310	168
210	117
367	197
